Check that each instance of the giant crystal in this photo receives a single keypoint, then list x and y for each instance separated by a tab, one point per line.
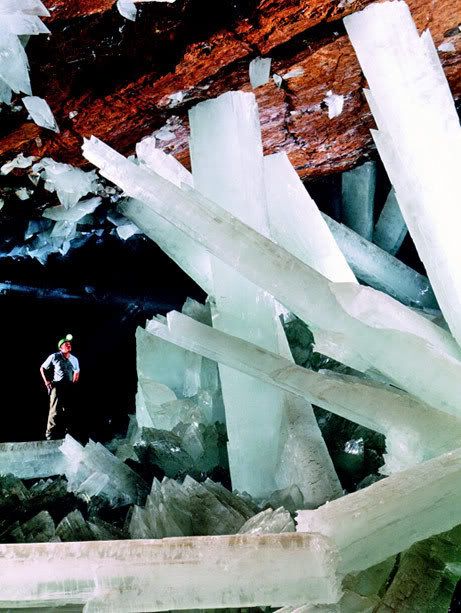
387	517
387	335
358	191
419	138
176	573
414	431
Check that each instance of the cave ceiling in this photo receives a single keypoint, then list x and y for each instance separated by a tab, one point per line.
120	80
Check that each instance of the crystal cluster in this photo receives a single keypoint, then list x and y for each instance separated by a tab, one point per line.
245	229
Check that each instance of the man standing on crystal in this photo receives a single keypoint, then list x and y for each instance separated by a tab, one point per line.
60	372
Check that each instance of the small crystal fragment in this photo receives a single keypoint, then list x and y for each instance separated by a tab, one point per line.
40	112
260	69
335	103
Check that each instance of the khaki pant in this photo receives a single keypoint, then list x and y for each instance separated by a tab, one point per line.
60	415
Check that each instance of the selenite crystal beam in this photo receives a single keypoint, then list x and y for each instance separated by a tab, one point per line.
227	166
380	270
370	525
296	223
390	229
414	431
399	343
419	139
174	573
32	460
358	192
298	447
195	261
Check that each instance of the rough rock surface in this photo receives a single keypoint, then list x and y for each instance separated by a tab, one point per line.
115	77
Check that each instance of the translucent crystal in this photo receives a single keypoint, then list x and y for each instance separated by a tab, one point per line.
391	228
69	183
374	523
20	161
172	573
127	9
358	190
14	66
32	460
92	470
227	165
418	138
269	522
335	103
386	334
260	69
378	269
414	431
40	112
74	213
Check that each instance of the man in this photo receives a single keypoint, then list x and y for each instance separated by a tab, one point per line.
60	372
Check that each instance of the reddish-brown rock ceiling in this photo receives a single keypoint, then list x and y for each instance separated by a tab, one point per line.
118	75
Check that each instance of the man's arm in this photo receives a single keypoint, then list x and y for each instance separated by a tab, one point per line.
76	367
47	383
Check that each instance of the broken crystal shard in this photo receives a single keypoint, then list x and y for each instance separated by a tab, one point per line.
391	229
378	521
127	9
227	165
14	66
446	47
120	484
269	522
18	162
378	269
74	213
335	103
172	573
32	460
409	90
127	230
40	112
259	70
414	431
358	197
70	183
387	335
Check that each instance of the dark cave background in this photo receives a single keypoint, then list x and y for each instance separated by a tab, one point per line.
104	333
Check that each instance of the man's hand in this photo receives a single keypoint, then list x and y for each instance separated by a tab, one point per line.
49	386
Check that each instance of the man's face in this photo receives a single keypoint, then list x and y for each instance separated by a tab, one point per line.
66	347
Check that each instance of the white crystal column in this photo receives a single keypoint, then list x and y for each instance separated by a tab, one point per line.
411	351
173	573
419	139
387	517
227	166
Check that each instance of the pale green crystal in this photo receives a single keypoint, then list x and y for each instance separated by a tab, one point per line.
414	431
388	335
